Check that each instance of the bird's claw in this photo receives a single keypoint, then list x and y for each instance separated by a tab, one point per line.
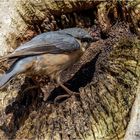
60	97
66	96
75	93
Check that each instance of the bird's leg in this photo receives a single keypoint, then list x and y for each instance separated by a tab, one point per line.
70	93
64	87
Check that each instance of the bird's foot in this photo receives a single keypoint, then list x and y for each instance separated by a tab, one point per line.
64	97
60	98
74	93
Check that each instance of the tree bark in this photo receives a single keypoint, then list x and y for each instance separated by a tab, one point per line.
107	77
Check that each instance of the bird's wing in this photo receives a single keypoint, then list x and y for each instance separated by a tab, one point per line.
52	42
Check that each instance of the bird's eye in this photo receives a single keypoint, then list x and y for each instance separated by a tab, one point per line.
87	39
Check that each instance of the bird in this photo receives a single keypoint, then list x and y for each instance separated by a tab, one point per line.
48	53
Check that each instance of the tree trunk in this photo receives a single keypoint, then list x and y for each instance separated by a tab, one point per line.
107	76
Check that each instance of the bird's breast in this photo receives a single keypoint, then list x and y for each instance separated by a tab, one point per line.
53	63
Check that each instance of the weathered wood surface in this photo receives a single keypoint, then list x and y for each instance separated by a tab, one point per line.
107	77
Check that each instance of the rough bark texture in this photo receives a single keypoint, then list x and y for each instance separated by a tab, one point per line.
107	77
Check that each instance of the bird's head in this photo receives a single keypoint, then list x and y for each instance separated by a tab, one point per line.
81	35
78	33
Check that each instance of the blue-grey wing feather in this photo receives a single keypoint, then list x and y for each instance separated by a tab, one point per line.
50	42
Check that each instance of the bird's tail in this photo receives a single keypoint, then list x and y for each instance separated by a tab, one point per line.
8	75
14	69
5	78
19	66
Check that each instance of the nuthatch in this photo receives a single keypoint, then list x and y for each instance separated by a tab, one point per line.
47	54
